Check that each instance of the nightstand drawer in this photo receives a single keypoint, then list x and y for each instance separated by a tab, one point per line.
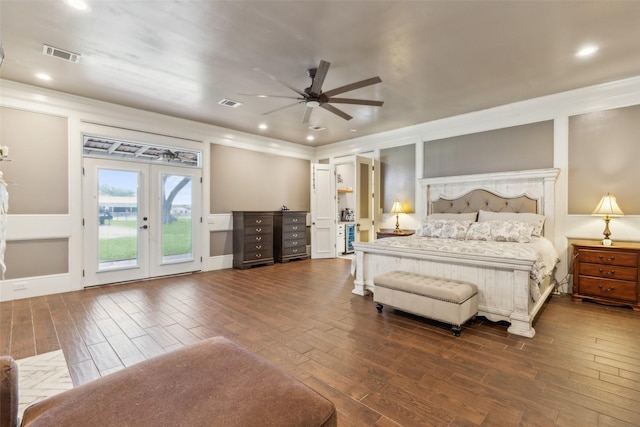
611	289
609	257
609	271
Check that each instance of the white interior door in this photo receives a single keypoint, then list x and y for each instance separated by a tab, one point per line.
323	211
140	220
364	203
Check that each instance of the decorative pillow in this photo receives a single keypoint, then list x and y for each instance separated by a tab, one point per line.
444	229
470	216
501	231
536	220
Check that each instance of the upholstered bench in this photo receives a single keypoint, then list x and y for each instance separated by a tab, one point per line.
214	382
448	301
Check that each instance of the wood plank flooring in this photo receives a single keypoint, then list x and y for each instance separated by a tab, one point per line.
581	369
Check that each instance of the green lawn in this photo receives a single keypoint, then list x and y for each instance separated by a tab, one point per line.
176	240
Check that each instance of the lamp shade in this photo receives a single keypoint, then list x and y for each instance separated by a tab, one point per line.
608	207
397	207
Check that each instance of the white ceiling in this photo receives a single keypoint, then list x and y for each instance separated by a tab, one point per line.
435	58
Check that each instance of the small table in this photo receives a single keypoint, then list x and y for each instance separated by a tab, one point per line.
392	233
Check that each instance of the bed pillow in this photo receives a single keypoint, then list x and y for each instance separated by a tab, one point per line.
536	220
470	216
500	231
444	229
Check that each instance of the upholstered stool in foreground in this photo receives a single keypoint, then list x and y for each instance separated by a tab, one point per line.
449	301
214	382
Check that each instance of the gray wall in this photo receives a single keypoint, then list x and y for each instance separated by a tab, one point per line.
398	177
244	180
604	154
38	185
509	149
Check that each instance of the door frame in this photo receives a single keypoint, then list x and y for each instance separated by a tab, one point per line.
149	247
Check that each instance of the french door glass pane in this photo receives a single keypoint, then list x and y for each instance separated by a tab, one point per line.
118	219
176	218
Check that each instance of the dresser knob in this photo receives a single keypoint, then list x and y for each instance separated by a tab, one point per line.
258	238
258	221
610	289
258	246
258	255
611	258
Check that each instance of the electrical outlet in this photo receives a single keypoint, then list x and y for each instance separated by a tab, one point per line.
20	286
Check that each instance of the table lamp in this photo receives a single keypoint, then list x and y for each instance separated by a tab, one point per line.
397	209
607	208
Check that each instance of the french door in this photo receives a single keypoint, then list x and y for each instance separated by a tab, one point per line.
140	220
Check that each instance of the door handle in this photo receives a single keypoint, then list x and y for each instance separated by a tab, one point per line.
144	227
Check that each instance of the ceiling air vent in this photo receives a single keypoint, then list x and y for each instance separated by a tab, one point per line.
62	54
229	103
316	128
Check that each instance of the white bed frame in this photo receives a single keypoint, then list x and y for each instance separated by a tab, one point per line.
503	283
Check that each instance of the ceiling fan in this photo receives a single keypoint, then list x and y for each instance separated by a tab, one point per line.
313	96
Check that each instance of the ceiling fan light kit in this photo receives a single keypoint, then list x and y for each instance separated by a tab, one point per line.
313	96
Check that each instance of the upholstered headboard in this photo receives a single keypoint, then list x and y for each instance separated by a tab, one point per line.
520	191
476	200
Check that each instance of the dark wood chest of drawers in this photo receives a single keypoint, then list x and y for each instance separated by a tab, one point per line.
289	235
252	238
607	274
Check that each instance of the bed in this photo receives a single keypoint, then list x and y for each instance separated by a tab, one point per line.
514	279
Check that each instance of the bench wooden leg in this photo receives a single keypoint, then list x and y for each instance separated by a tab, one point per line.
379	307
456	330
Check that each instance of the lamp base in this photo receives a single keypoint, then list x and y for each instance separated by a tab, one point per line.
607	242
397	230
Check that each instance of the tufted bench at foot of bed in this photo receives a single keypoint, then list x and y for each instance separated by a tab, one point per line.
449	301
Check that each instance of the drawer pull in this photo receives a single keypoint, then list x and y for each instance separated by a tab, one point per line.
258	238
295	235
259	221
258	255
258	246
294	243
611	289
611	258
294	228
608	273
258	230
294	251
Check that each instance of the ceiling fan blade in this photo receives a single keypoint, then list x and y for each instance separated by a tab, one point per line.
274	78
321	73
355	101
259	95
336	111
307	114
282	108
353	86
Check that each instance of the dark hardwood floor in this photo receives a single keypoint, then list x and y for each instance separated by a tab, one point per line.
581	369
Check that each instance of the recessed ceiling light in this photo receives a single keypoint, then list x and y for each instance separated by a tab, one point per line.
310	138
263	126
353	130
78	5
587	51
43	76
316	127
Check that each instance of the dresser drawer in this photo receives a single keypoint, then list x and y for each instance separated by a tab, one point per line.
610	289
265	239
298	250
261	254
609	271
258	229
296	235
609	257
261	220
294	243
293	227
295	219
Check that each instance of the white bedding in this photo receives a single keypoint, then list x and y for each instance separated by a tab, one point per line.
540	250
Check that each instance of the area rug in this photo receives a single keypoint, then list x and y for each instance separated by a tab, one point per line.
42	376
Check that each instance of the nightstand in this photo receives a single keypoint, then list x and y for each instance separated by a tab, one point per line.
607	274
391	233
